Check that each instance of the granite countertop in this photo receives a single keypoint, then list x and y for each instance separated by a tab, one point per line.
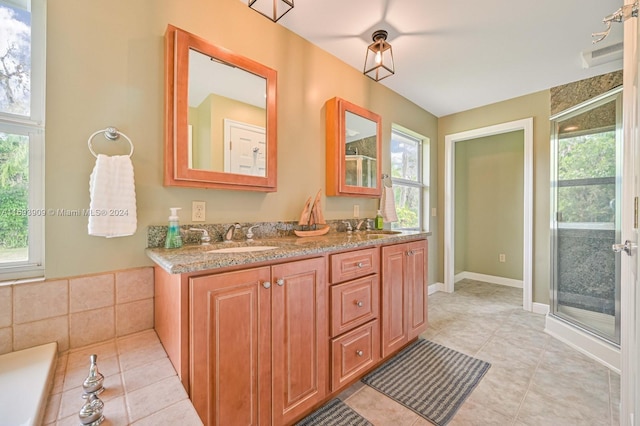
194	258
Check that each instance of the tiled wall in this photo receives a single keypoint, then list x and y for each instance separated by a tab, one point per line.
76	311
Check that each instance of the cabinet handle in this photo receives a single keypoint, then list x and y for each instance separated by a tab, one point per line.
359	353
280	282
410	253
266	284
360	265
359	303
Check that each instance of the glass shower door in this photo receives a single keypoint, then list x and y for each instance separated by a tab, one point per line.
585	221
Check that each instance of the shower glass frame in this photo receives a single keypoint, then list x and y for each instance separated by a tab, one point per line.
614	95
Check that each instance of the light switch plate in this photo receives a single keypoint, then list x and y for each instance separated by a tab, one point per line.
198	211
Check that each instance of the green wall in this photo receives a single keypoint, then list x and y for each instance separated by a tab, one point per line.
105	68
489	200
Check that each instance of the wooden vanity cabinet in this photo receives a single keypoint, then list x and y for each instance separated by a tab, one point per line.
404	294
355	330
259	350
267	344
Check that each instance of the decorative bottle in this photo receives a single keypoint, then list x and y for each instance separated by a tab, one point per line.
174	240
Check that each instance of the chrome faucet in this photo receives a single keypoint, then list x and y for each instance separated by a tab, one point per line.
359	225
205	239
349	227
250	232
228	236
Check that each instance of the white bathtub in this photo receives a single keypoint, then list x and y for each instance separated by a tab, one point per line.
25	381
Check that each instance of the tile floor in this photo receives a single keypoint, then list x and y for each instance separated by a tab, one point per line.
141	386
534	379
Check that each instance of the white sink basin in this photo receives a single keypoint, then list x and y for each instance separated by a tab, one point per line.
242	249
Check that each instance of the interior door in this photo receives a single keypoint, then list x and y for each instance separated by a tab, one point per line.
630	332
245	149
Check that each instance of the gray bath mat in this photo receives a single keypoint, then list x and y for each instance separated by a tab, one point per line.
429	379
334	413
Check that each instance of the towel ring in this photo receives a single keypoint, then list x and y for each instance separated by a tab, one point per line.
110	133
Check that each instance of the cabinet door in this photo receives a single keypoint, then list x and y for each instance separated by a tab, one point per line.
394	299
416	277
230	347
300	338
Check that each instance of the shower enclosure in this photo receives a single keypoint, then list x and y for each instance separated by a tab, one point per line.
586	161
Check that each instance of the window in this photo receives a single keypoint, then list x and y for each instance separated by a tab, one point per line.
409	175
22	55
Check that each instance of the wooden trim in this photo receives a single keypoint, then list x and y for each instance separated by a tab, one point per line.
171	319
177	173
335	110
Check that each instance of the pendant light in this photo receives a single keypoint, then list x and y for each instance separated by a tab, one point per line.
272	9
378	63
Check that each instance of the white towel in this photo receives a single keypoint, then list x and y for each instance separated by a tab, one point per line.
112	211
388	205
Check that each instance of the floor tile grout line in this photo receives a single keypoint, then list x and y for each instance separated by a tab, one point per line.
531	380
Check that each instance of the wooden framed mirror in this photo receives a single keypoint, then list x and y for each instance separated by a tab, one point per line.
220	124
353	150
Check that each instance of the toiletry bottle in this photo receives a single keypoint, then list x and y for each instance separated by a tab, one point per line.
379	221
174	240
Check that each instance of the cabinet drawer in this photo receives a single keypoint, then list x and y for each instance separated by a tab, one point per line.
354	264
354	303
353	353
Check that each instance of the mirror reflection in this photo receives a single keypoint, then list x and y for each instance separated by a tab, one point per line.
226	117
360	151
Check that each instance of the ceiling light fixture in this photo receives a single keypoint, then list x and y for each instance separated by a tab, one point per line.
378	63
272	9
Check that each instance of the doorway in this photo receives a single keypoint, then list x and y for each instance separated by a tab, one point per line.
525	125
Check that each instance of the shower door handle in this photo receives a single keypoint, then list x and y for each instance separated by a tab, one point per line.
627	247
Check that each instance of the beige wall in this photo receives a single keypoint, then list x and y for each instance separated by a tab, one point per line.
489	189
535	105
105	67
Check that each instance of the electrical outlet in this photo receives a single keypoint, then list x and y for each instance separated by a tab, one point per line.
356	210
502	257
198	211
434	211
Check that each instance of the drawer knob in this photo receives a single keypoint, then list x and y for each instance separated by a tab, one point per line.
360	265
266	284
359	303
410	253
359	353
280	282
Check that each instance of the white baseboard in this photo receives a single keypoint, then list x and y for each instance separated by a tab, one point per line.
489	279
540	308
596	349
436	287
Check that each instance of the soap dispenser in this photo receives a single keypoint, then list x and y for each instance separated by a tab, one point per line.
174	240
379	220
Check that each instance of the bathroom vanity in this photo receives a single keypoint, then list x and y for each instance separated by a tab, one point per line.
266	336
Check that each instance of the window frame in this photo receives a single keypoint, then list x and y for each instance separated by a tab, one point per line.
422	181
32	127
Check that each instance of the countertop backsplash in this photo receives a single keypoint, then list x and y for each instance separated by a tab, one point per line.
156	234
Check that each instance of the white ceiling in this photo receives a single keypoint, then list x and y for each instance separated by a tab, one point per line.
454	55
